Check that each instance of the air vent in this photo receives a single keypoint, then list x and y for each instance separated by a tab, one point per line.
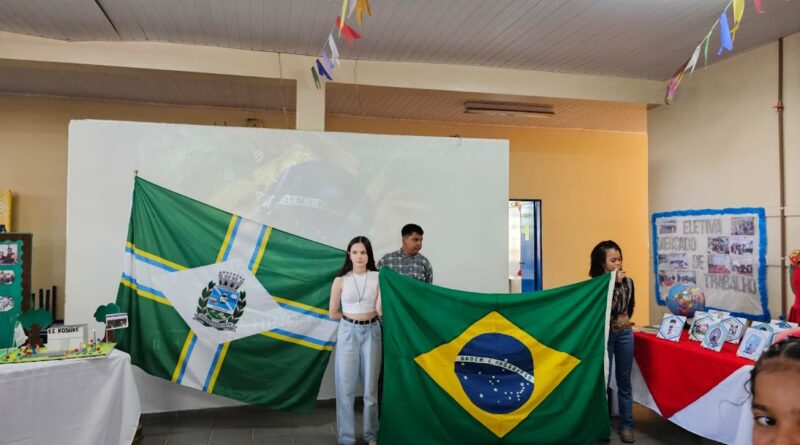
509	109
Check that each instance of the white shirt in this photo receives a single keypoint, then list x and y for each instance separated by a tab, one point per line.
359	292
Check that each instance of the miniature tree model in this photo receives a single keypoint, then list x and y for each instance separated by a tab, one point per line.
33	322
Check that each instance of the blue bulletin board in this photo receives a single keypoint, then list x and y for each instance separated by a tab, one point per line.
721	251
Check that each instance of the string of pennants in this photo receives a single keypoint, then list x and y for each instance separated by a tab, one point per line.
330	52
727	34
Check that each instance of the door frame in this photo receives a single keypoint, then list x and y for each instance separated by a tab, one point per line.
538	283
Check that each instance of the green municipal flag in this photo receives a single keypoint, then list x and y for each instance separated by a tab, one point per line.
468	368
223	304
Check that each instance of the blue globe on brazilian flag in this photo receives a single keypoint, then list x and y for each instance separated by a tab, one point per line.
472	368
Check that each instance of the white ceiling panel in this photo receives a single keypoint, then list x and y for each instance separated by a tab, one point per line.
626	38
61	19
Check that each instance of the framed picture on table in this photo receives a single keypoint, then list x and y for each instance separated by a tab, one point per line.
671	327
769	328
715	337
753	343
736	326
700	323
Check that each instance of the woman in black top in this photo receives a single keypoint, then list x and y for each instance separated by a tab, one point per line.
607	257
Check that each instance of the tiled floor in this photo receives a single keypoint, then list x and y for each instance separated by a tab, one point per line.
249	425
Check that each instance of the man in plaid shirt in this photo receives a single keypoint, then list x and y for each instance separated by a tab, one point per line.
407	260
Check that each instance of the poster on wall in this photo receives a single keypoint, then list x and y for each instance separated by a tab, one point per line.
14	282
5	210
720	251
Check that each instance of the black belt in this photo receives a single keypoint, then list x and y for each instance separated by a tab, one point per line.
370	321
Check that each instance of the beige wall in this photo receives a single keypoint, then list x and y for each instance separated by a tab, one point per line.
593	186
717	146
33	152
570	170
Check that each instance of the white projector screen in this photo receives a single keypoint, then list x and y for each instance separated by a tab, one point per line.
328	187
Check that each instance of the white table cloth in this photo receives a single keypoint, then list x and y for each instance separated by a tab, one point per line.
78	401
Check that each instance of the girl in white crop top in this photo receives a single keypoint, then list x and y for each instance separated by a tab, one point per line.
355	300
355	291
359	294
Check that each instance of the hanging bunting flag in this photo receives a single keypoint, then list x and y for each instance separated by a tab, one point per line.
738	10
693	60
705	50
322	71
724	34
352	9
330	60
316	77
327	60
349	33
726	37
342	25
362	7
334	49
673	84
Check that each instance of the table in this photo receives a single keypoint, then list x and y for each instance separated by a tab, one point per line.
700	390
78	401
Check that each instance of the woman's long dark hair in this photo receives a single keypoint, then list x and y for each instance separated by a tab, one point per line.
598	257
348	264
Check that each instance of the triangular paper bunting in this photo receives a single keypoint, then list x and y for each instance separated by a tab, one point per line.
327	60
674	82
316	77
352	9
334	49
724	34
362	7
322	71
348	33
738	11
693	60
344	10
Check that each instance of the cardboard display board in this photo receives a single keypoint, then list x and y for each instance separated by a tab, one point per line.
720	251
16	258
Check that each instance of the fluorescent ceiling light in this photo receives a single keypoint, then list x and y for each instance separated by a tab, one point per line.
509	109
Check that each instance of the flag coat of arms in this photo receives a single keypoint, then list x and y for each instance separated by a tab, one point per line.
468	368
223	304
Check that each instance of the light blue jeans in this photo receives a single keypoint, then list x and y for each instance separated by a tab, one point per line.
358	357
620	348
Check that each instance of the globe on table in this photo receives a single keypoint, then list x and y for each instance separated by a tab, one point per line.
685	300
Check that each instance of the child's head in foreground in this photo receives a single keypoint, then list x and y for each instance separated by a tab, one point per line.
775	383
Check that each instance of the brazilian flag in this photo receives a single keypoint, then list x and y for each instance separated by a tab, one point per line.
468	368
